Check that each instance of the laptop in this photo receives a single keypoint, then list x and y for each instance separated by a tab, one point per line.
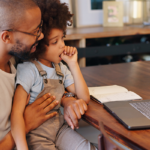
134	114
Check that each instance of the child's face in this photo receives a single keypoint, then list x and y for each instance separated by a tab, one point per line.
56	46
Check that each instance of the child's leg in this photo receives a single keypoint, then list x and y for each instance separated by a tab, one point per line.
41	143
43	137
68	139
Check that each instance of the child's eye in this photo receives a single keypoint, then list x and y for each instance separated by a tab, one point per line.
63	36
54	42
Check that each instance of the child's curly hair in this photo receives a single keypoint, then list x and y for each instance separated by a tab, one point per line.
54	15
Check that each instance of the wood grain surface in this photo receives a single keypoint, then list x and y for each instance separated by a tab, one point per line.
102	32
135	77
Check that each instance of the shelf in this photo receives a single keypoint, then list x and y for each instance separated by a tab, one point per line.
77	37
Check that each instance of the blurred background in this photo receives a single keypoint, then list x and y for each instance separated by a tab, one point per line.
94	18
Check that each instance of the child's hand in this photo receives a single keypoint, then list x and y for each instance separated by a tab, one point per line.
69	55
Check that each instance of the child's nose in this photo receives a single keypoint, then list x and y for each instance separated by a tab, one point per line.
62	44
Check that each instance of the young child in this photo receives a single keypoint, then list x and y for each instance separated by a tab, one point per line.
47	74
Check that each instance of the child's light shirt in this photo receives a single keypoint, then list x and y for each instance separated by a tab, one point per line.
28	76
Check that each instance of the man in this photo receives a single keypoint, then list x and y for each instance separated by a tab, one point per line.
20	29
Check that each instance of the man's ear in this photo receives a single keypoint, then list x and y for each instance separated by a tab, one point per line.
6	36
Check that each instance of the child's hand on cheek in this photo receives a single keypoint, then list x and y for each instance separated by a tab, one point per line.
69	55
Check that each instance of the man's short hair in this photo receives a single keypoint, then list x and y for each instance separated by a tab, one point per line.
12	12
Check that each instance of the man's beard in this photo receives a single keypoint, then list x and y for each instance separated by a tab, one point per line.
21	51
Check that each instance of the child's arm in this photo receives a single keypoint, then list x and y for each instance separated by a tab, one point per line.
79	87
17	119
73	109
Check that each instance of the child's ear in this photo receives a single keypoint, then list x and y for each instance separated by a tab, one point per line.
6	36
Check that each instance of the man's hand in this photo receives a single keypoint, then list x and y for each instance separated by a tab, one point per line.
73	110
36	113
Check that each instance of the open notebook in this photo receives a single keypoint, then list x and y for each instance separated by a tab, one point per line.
103	94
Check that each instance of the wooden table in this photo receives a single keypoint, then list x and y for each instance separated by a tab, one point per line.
135	77
77	37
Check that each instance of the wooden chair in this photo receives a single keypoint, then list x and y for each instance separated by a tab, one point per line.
105	142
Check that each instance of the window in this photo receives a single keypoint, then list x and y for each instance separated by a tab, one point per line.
96	4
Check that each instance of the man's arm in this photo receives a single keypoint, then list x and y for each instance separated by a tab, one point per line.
73	109
7	143
39	110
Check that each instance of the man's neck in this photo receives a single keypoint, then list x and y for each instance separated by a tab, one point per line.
4	63
6	67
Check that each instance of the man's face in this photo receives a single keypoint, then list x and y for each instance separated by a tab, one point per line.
21	50
25	44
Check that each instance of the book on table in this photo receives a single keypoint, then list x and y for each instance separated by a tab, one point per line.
102	94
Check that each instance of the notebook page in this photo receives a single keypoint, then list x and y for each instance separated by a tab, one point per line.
119	97
106	90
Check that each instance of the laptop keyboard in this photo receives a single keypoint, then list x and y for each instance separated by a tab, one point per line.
143	107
